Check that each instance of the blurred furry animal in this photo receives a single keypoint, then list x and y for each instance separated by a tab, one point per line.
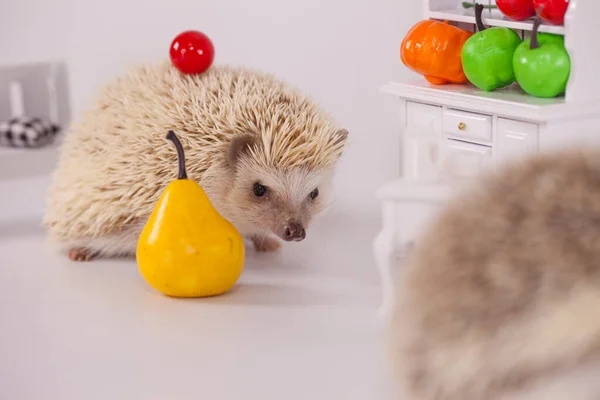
264	153
500	297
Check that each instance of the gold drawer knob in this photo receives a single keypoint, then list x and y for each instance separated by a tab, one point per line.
462	126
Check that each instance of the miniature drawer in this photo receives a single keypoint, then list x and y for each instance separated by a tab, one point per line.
516	139
465	125
424	117
467	159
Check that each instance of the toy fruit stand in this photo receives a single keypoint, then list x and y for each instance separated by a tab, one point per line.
522	96
454	131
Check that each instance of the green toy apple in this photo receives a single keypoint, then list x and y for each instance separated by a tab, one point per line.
542	64
487	56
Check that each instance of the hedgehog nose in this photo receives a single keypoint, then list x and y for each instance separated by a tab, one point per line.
294	231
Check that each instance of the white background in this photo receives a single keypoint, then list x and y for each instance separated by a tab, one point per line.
338	51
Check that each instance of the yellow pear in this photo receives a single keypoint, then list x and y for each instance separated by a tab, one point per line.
187	249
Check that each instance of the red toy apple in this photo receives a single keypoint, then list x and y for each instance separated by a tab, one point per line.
552	11
192	52
517	10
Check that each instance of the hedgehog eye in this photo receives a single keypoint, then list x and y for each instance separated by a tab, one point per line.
259	190
313	195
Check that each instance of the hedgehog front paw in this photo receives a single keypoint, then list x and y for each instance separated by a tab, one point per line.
265	243
80	254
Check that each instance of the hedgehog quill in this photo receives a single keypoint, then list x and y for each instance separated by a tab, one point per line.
264	153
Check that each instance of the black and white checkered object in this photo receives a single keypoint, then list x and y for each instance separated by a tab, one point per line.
27	132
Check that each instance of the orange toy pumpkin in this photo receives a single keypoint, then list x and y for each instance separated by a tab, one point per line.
433	48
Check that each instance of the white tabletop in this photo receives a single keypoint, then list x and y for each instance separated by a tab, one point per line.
299	325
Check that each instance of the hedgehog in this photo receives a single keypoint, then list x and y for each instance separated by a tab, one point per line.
264	153
499	296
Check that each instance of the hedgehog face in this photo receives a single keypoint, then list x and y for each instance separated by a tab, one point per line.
280	201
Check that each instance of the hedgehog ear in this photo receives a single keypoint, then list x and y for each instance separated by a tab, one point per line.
340	136
239	146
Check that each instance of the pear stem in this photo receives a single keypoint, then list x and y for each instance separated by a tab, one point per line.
173	138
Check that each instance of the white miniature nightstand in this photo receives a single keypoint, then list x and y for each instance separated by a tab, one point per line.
407	206
474	130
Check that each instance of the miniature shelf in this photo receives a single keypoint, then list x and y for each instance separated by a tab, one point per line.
492	18
510	101
35	90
